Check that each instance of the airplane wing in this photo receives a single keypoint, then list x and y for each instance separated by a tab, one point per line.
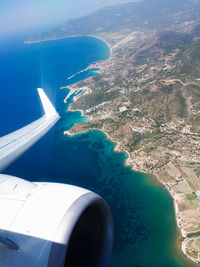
49	224
16	143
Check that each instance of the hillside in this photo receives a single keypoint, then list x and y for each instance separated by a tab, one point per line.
154	14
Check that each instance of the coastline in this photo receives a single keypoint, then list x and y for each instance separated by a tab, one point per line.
182	235
70	36
128	161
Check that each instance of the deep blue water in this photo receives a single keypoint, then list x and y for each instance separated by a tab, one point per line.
145	230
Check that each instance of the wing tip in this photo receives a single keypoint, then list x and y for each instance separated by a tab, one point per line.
48	107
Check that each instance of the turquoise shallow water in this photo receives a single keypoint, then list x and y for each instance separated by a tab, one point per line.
145	229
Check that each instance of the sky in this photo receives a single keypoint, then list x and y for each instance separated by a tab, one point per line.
23	15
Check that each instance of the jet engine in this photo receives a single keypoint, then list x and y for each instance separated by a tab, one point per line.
52	225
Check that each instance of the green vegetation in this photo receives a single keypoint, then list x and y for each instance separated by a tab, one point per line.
190	184
137	138
193	254
148	137
94	126
94	99
191	197
192	163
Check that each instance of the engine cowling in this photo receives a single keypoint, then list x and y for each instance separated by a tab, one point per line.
53	225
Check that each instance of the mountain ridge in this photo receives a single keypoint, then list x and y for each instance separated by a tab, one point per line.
130	16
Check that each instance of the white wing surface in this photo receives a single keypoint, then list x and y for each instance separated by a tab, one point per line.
49	224
16	143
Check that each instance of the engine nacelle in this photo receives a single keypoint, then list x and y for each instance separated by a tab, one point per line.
53	225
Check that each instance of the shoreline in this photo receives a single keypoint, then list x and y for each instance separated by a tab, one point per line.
71	36
182	235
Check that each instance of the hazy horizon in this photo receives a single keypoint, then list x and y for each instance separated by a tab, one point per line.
23	15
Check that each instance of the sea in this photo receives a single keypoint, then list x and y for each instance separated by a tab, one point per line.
145	232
